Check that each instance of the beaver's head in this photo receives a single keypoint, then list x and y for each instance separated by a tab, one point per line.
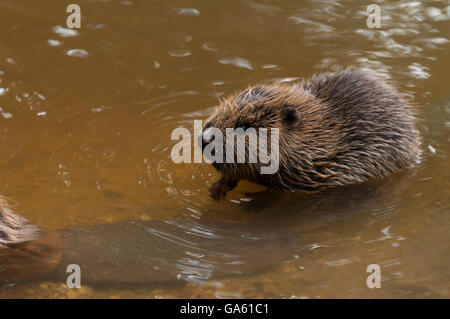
287	108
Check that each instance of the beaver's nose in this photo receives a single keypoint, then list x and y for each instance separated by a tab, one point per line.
206	137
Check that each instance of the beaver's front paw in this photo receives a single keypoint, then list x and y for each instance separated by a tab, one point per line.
220	188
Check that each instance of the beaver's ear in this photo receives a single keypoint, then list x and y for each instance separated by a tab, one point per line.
290	116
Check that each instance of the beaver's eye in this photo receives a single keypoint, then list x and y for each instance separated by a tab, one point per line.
290	116
244	126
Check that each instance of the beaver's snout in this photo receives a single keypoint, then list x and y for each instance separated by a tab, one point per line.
205	138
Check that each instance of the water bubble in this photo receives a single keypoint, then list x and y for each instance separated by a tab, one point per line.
64	32
237	61
269	66
437	40
188	11
78	53
419	71
5	115
435	14
208	46
53	43
288	79
39	95
179	53
100	108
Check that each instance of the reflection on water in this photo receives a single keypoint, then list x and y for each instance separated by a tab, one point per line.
87	114
175	250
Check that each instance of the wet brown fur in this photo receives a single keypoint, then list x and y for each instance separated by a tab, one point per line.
25	250
351	127
13	228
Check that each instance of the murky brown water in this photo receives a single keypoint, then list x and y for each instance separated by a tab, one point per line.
86	120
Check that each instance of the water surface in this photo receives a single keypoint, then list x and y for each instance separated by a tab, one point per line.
86	118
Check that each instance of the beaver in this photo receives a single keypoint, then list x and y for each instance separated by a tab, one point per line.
335	129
